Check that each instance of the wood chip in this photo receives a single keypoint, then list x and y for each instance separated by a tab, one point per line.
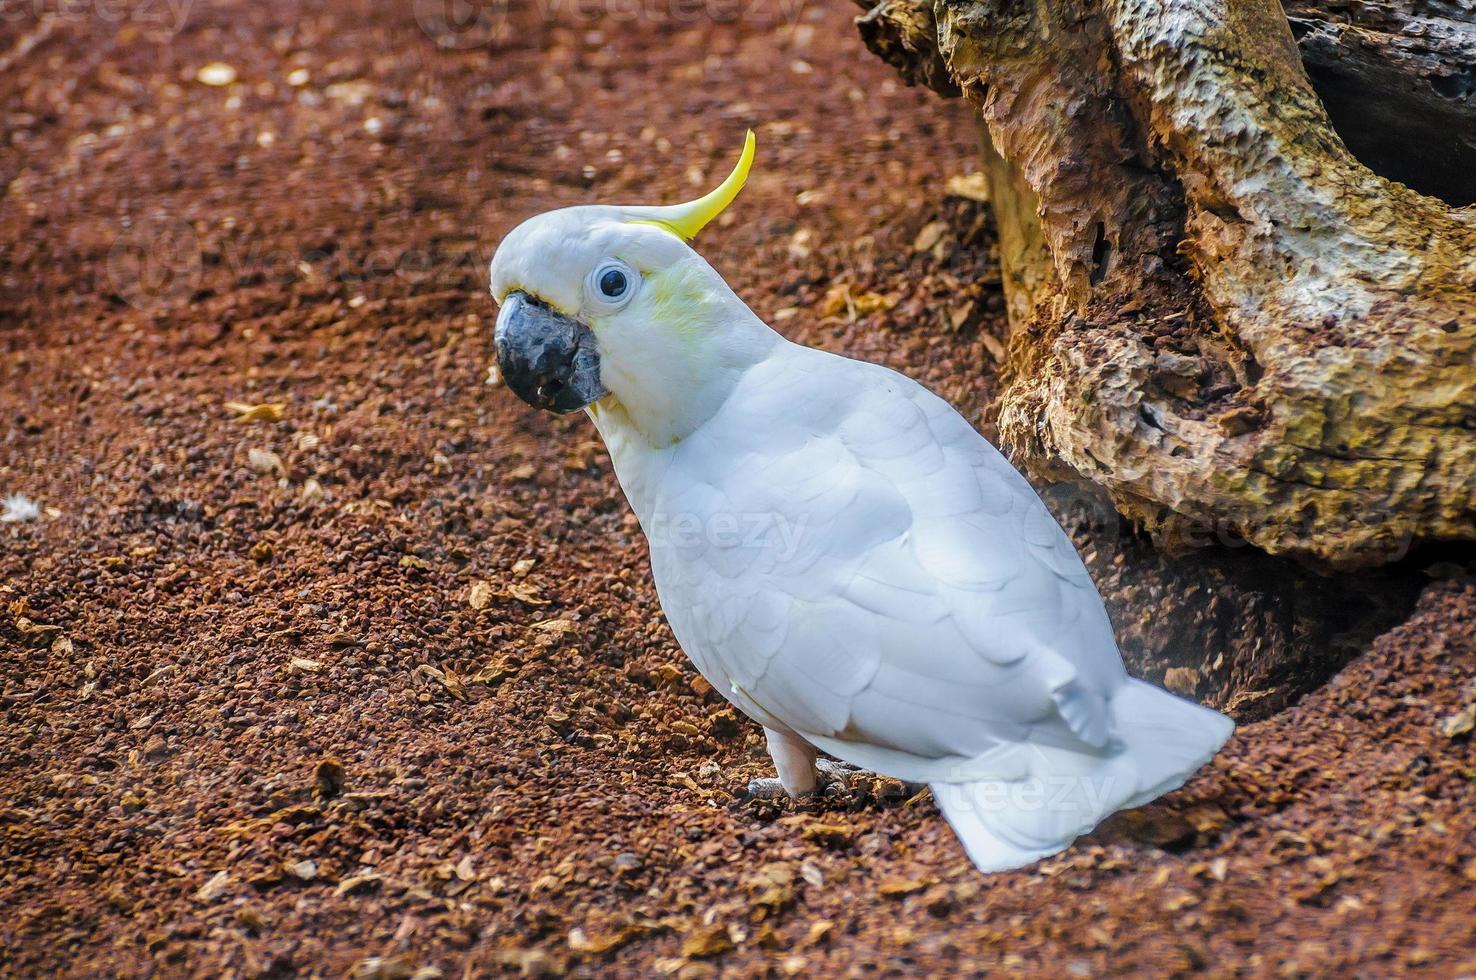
1459	723
216	74
305	870
265	461
972	187
213	889
479	594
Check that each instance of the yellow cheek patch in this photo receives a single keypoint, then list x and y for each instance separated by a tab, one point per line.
675	302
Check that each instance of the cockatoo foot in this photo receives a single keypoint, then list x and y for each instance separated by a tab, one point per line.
802	773
830	779
838	780
768	788
844	779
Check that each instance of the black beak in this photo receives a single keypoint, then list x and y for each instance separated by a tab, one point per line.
549	360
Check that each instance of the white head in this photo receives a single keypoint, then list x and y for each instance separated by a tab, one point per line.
608	307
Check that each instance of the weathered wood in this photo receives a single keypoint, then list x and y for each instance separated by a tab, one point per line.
1399	81
1219	313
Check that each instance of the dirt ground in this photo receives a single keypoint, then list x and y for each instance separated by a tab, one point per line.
373	680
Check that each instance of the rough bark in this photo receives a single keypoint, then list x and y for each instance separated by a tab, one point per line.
1218	312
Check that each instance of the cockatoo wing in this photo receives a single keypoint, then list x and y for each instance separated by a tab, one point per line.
848	557
844	556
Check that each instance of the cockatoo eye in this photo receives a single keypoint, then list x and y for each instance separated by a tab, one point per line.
611	285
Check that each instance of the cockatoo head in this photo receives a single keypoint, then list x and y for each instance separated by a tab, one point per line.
609	304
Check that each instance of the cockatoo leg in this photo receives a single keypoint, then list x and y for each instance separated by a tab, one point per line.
794	758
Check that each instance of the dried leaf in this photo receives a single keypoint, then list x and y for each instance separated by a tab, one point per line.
383	968
994	346
596	938
897	887
496	670
263	412
526	593
840	299
36	634
355	884
705	941
829	834
447	678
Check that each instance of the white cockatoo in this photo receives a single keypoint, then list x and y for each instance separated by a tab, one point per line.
836	549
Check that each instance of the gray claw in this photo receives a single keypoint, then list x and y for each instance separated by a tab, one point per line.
765	789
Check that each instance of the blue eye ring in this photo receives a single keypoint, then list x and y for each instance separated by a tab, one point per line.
613	284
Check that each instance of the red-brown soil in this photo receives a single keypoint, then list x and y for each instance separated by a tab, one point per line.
383	686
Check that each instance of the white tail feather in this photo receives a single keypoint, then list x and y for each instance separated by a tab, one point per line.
1159	741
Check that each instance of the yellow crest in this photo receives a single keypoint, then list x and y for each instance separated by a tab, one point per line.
686	220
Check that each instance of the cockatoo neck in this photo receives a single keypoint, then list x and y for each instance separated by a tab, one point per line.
700	340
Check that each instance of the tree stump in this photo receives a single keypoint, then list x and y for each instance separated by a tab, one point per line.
1221	314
